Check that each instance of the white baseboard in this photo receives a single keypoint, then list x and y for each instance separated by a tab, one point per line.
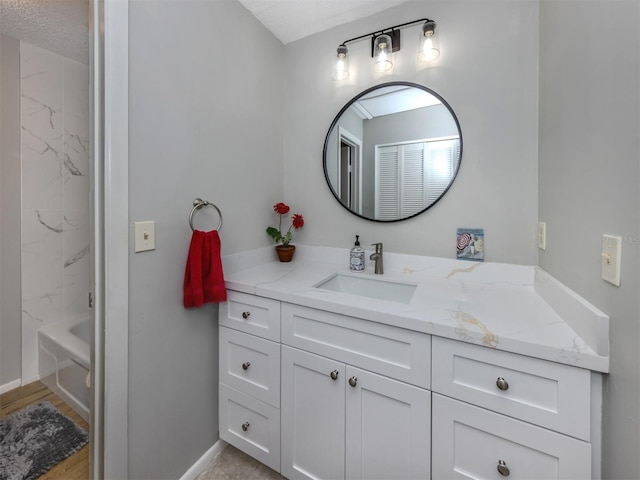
203	462
10	386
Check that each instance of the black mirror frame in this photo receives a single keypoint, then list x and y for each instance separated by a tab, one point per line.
362	94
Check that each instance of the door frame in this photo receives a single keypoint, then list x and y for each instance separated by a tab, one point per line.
344	136
109	77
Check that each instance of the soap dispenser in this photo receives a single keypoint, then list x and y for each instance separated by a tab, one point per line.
356	257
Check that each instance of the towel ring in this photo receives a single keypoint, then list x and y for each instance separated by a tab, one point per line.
198	203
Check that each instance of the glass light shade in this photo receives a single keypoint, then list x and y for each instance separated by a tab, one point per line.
429	48
341	66
382	56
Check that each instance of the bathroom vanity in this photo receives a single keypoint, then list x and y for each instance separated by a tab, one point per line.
480	371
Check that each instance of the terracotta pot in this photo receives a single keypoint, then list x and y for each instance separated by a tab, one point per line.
285	254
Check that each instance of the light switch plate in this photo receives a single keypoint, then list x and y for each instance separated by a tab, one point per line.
611	252
145	236
542	235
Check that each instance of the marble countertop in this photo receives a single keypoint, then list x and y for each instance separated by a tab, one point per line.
507	307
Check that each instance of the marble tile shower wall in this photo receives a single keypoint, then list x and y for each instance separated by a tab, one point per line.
55	193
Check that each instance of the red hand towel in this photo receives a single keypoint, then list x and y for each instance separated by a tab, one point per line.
203	277
212	276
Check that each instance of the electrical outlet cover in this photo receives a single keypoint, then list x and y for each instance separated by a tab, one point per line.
611	252
542	235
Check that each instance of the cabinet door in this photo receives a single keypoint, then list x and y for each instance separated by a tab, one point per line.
313	409
473	443
388	428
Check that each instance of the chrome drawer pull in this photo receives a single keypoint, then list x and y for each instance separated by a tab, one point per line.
245	427
503	469
502	384
353	381
246	315
334	375
246	365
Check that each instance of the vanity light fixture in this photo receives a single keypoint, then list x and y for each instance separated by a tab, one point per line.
382	53
429	48
386	41
341	68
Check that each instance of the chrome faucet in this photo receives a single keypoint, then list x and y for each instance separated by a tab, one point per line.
377	257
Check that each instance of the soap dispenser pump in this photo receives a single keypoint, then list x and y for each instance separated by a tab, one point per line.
356	257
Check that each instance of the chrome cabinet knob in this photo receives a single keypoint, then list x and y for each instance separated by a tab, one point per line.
246	315
353	381
246	365
245	426
503	469
502	384
334	375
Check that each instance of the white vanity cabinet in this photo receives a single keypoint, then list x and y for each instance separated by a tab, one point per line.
355	398
316	394
496	431
341	421
249	376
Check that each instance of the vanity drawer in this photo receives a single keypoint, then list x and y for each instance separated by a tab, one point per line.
472	442
394	352
250	425
250	364
248	313
548	394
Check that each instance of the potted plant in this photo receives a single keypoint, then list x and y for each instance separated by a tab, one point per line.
284	249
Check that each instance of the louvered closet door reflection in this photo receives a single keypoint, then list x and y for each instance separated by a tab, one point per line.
387	187
442	157
412	178
400	180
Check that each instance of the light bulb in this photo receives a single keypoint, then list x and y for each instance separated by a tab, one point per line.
341	67
428	52
429	45
382	56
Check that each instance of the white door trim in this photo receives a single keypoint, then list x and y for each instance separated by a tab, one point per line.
110	244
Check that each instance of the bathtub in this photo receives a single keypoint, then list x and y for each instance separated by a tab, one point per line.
63	361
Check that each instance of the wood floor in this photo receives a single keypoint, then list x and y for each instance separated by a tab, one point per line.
76	466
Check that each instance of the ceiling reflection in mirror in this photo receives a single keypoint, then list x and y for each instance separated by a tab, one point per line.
392	152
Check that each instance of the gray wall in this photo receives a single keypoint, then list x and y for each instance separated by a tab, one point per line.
589	184
206	109
10	314
490	79
418	124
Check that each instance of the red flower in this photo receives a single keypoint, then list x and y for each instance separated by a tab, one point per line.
298	221
280	236
281	208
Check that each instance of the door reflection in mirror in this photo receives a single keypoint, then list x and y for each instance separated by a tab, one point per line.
350	161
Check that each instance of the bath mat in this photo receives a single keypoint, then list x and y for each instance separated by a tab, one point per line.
35	439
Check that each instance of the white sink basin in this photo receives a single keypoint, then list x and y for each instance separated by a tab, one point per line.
369	287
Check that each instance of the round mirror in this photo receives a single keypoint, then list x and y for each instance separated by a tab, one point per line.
392	152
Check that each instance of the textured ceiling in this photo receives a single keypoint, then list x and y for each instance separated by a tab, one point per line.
60	26
290	20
